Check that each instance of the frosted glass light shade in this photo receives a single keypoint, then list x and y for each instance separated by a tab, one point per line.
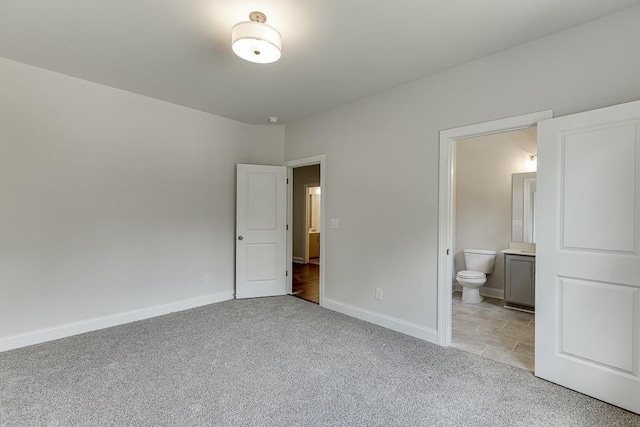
256	42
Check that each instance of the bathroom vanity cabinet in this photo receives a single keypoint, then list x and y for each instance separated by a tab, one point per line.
314	245
520	273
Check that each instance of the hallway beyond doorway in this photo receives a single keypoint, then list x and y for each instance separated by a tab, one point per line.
306	282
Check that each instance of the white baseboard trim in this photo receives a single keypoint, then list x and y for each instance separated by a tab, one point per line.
383	320
298	260
82	326
485	292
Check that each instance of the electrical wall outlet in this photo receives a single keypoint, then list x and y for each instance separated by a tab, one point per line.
379	293
207	278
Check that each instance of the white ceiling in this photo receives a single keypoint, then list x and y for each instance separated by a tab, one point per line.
334	51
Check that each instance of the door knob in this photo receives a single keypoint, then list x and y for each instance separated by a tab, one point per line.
240	237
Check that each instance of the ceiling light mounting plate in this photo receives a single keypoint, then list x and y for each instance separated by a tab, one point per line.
258	17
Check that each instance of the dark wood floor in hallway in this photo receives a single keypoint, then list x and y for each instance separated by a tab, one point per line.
306	282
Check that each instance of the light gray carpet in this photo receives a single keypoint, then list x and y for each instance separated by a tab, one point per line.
275	361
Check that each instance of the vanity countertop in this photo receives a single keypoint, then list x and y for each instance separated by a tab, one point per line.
513	251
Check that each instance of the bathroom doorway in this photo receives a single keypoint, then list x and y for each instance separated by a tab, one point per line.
307	231
485	226
313	195
477	213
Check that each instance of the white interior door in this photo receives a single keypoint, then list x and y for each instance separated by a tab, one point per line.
588	254
261	231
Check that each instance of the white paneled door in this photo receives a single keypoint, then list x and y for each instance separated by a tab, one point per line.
261	231
588	257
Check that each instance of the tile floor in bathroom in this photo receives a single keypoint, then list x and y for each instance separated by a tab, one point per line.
495	332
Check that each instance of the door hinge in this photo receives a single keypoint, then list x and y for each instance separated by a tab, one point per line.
287	180
447	251
286	274
287	226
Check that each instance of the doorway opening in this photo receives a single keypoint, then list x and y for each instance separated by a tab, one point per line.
306	224
484	327
312	217
306	231
493	259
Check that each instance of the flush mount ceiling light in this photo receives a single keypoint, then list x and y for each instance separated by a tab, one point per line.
256	41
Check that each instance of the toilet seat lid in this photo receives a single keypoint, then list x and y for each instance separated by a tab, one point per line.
470	274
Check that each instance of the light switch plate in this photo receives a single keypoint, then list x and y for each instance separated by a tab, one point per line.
335	223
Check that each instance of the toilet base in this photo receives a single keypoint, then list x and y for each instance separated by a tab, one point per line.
471	295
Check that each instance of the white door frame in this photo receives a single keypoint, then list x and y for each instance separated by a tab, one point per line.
307	211
320	159
446	212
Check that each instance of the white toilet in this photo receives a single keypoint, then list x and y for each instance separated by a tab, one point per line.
479	263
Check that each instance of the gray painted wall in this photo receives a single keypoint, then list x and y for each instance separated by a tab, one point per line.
301	176
382	153
112	201
483	193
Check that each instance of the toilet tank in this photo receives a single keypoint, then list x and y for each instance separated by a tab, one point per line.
481	260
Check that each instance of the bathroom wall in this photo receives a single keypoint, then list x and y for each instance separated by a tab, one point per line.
483	195
301	176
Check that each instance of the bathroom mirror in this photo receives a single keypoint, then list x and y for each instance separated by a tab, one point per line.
523	207
313	209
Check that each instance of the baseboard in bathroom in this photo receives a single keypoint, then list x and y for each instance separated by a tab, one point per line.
492	293
485	292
